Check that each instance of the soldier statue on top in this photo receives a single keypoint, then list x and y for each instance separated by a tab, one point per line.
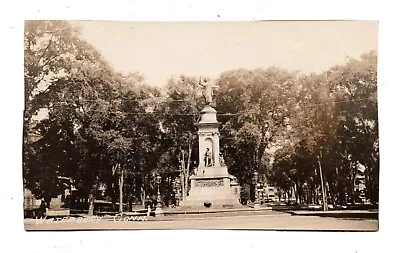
208	90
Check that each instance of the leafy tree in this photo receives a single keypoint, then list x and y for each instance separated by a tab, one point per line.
68	78
260	103
179	112
336	128
355	84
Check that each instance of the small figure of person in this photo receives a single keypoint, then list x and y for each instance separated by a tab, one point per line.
221	160
148	203
207	158
148	210
43	204
42	210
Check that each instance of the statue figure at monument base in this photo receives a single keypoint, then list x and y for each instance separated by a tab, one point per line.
208	158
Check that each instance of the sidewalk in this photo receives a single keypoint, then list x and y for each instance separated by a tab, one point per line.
200	214
364	214
170	211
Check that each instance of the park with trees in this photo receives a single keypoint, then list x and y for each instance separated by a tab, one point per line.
307	134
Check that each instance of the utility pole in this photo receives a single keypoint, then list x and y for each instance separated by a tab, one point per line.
183	174
121	193
324	204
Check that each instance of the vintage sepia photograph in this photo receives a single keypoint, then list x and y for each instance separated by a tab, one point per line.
253	125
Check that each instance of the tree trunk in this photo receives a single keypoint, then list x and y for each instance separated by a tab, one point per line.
130	203
91	196
341	192
47	200
113	195
371	185
113	201
143	190
301	193
169	190
353	193
91	202
352	179
373	178
328	193
315	194
296	193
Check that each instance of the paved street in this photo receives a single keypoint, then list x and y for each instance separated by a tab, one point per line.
270	222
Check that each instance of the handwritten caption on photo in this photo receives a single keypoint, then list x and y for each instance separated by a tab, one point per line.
92	219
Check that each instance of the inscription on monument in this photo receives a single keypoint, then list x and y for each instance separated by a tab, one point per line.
210	183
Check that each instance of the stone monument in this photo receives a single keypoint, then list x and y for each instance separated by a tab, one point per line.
211	182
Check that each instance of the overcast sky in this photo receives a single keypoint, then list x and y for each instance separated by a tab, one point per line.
160	50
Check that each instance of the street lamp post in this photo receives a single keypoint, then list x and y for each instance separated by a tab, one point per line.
158	211
256	202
